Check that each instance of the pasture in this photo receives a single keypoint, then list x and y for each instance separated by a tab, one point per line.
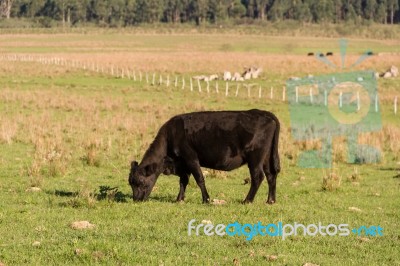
72	132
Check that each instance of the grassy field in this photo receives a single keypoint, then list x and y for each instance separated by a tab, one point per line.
73	133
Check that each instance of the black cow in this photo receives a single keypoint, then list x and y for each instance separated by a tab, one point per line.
223	140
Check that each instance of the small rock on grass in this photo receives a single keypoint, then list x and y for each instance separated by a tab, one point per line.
310	264
364	239
78	251
36	244
33	189
354	209
271	257
79	225
218	202
206	222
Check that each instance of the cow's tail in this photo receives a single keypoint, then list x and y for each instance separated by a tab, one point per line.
274	159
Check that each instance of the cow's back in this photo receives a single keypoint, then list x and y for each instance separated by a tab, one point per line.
223	139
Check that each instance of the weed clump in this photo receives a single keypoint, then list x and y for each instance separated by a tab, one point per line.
331	182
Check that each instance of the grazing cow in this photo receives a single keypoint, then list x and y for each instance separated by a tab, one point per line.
223	140
329	54
236	77
200	77
310	54
227	76
213	77
255	72
251	73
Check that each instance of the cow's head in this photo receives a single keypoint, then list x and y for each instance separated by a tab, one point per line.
142	180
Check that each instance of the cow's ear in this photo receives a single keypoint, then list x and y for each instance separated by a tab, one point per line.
134	164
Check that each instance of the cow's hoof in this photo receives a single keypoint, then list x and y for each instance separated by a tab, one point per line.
180	201
271	201
246	201
206	201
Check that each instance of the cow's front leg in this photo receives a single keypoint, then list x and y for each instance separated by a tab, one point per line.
183	182
195	169
193	165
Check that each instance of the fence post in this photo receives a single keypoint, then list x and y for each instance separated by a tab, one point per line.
199	85
283	93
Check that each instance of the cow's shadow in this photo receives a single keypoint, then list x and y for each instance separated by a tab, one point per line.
395	169
108	193
163	198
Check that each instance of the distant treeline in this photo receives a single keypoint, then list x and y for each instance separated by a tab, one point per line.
116	13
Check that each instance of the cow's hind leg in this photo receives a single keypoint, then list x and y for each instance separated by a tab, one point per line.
271	178
183	181
257	177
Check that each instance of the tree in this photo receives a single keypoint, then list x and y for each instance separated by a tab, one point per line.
198	10
338	5
99	11
381	14
392	6
72	11
370	8
149	11
323	10
261	7
302	12
218	10
173	10
129	17
236	9
5	8
350	14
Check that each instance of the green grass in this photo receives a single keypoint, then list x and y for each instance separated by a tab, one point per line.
71	112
